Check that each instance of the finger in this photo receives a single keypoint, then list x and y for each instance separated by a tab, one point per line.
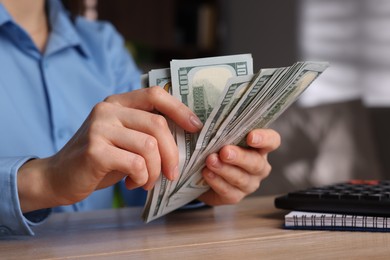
142	144
251	160
157	127
225	193
110	179
117	160
141	121
233	175
130	184
266	139
157	99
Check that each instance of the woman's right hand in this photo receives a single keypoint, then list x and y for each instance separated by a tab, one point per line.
123	137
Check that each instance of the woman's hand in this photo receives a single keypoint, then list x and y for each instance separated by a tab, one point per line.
122	137
235	172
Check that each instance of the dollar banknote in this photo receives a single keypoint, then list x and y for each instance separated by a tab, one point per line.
231	101
199	84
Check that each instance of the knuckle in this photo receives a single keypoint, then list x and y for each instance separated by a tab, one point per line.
159	121
155	93
150	144
267	170
224	192
258	168
137	170
242	181
261	167
101	108
138	164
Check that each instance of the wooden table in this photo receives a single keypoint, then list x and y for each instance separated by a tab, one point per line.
249	230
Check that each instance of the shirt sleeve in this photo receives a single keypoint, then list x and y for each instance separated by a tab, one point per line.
12	220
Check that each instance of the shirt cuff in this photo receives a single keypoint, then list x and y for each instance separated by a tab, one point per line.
12	220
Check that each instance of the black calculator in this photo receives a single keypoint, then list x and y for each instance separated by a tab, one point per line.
355	197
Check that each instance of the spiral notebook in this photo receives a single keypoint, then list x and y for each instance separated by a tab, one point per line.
341	222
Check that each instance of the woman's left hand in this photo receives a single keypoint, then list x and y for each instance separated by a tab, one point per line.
236	172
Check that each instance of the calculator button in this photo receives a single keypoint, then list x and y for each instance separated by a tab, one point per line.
376	197
351	196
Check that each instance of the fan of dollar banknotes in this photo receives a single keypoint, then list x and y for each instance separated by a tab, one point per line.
231	101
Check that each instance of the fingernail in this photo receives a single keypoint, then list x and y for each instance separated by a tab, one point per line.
214	161
231	155
195	121
256	139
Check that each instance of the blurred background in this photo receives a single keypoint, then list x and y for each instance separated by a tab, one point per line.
338	130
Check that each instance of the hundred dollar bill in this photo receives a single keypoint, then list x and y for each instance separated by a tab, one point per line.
198	84
288	93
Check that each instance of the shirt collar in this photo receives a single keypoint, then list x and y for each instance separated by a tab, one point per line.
63	32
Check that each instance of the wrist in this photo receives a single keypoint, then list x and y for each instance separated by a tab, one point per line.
34	190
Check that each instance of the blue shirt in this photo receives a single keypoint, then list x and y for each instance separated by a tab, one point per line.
44	98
